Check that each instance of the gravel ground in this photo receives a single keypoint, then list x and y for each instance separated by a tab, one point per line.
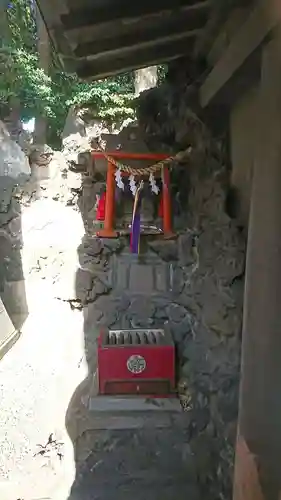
43	369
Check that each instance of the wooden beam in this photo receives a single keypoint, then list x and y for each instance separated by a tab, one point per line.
140	57
171	26
51	13
105	67
90	4
108	10
131	26
259	24
112	48
218	14
90	76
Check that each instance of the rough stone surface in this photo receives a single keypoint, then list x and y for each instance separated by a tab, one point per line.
80	129
14	172
73	124
141	464
13	162
49	179
40	154
197	293
73	145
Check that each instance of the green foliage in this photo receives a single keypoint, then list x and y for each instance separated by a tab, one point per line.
20	75
21	19
106	98
22	78
161	73
51	95
125	81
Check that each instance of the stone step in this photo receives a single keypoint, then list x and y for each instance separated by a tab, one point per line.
117	412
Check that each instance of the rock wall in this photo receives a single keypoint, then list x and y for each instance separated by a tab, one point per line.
211	280
192	284
14	170
145	78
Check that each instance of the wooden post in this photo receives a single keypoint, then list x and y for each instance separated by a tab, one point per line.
258	452
108	230
167	219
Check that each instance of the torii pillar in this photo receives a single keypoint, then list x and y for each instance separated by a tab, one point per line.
258	453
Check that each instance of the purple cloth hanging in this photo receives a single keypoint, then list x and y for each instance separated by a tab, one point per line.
136	226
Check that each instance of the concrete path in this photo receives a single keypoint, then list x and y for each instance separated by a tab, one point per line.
43	369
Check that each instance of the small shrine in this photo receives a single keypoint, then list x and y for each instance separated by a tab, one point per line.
135	200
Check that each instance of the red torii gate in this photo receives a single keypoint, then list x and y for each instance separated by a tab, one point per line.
109	231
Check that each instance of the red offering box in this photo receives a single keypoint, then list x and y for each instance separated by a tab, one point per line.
136	362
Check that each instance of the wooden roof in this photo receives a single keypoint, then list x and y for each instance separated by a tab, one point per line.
99	38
